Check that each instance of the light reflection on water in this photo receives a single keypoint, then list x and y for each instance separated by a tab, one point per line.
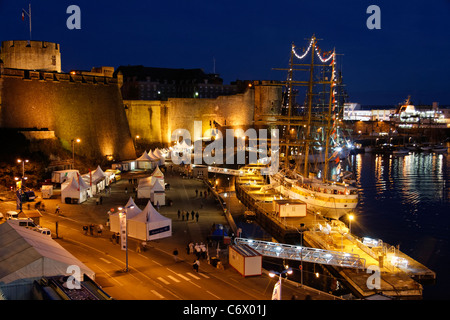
405	200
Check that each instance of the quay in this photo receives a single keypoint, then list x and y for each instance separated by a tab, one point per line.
400	275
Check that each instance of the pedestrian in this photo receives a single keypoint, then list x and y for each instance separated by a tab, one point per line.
126	190
201	194
192	214
85	229
101	199
196	216
196	192
203	249
196	265
100	230
187	215
191	247
57	209
198	250
175	254
187	248
179	213
182	215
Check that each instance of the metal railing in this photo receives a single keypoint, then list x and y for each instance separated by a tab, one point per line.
307	254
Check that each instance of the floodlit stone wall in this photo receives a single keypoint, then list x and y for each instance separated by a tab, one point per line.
73	106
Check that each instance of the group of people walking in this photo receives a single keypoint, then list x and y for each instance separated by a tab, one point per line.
184	213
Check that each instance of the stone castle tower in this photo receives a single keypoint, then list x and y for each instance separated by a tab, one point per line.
86	105
31	55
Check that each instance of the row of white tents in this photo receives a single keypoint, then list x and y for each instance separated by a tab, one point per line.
147	224
79	188
151	159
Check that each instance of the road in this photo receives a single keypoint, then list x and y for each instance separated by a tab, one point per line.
154	274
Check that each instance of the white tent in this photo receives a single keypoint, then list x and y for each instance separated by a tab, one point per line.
27	255
98	180
144	187
157	173
76	188
149	225
158	153
145	161
114	221
158	193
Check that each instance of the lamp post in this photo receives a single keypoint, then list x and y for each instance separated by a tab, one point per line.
73	151
21	181
274	273
350	218
126	234
135	141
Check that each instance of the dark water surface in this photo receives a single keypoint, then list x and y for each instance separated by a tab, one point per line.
405	200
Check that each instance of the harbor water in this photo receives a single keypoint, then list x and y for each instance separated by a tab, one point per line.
405	201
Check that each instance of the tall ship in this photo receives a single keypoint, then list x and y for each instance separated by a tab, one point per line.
313	142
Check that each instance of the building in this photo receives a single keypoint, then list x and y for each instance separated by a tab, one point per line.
35	94
149	83
354	112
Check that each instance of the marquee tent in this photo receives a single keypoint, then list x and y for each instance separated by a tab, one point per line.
158	153
144	187
114	221
157	173
149	224
76	190
27	255
158	193
145	161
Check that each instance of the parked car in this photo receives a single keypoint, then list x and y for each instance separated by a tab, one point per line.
12	215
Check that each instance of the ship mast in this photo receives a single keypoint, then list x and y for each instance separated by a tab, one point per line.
310	96
331	106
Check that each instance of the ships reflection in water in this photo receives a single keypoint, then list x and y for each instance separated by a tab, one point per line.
404	200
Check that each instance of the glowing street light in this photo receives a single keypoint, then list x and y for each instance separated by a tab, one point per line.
272	274
73	151
350	219
21	181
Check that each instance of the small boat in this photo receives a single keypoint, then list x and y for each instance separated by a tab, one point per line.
400	151
439	149
412	147
426	147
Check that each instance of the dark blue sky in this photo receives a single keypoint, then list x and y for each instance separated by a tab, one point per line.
247	38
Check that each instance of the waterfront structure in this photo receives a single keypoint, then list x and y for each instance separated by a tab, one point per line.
156	120
312	135
354	112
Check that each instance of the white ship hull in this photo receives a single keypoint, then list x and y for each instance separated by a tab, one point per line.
330	201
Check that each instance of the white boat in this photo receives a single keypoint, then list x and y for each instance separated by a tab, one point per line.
426	147
331	199
400	151
439	149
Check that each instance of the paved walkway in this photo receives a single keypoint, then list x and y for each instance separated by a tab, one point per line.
183	195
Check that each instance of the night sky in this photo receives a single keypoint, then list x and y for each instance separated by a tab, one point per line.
409	55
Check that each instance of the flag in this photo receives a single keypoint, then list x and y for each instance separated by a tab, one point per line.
337	160
23	16
276	294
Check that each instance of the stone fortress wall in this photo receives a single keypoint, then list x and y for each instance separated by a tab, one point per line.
155	121
34	94
89	105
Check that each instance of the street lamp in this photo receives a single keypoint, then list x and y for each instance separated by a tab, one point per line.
350	218
135	141
126	233
272	274
73	151
21	181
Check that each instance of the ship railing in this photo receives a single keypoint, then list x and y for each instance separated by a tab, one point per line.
307	254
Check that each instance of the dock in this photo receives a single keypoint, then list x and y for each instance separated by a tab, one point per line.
400	276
